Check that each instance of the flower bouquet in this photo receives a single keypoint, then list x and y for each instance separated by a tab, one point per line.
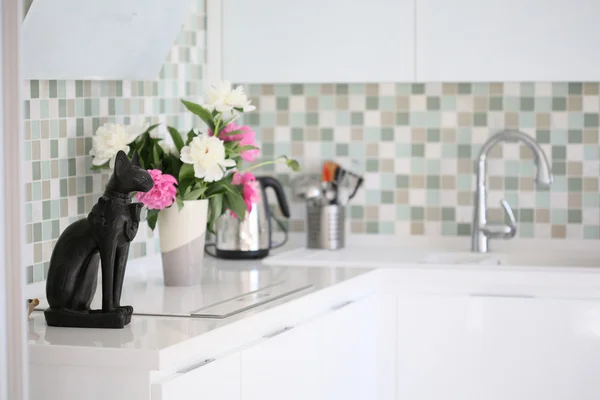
197	176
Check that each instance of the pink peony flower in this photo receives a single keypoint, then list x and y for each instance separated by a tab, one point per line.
247	137
162	195
251	188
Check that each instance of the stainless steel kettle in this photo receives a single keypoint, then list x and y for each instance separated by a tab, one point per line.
252	237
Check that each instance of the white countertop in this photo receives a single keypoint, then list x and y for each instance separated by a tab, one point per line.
163	343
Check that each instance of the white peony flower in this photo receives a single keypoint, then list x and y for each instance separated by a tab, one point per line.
224	99
207	155
109	139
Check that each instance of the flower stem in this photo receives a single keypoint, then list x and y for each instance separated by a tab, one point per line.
262	164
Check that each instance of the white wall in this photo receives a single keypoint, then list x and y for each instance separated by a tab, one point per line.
13	365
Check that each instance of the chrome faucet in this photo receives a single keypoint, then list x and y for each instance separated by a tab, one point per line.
482	230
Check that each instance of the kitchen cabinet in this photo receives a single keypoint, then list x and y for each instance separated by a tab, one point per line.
218	379
541	348
355	351
497	347
267	41
439	348
507	40
286	365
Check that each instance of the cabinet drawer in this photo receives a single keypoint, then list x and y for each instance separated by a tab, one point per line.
212	379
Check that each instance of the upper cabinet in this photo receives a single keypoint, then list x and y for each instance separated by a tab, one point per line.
507	40
274	41
107	39
321	41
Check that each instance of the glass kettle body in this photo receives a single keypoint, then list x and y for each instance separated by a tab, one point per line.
252	237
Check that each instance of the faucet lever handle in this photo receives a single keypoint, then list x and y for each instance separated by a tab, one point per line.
511	218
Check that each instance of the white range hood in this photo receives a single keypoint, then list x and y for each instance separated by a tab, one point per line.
100	39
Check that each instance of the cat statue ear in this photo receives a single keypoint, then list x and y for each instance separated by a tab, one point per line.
135	160
122	162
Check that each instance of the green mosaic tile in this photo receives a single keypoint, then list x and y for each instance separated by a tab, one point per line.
418	88
559	168
559	104
448	214
575	88
574	184
341	149
402	118
542	136
526	230
357	212
433	198
372	103
575	136
372	165
417	213
403	212
558	137
464	88
372	227
402	181
591	232
449	229
591	153
527	104
463	229
418	166
559	152
387	197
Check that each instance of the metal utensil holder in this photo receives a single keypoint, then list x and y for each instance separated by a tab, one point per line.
326	226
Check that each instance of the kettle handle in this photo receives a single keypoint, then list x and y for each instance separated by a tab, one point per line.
270	182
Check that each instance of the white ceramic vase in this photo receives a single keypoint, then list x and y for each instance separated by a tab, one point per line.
182	235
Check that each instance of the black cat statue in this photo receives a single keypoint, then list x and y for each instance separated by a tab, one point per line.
103	237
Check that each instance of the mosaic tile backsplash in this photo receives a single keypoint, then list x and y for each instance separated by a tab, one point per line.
60	119
415	144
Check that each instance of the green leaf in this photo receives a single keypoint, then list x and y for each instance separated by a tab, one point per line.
156	149
292	164
194	194
152	218
190	136
176	136
186	172
215	210
179	202
246	148
151	128
235	202
201	112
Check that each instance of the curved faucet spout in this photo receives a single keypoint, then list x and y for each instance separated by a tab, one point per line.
544	174
482	230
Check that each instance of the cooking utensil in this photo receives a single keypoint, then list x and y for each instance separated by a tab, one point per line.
329	171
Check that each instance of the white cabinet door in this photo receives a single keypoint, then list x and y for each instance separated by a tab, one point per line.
507	40
358	351
285	366
216	380
541	348
439	348
274	41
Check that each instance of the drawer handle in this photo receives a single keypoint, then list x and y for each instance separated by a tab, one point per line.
278	332
196	366
508	295
342	305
